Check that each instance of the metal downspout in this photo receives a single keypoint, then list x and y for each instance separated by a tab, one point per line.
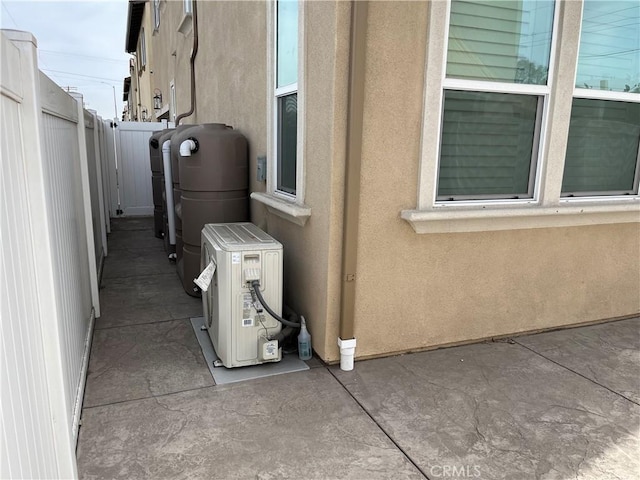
353	162
192	62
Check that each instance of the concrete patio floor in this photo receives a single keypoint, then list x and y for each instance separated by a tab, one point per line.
557	405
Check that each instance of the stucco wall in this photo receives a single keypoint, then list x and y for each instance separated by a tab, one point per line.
163	42
416	291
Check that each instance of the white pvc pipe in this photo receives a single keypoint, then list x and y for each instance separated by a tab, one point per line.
187	147
347	353
168	188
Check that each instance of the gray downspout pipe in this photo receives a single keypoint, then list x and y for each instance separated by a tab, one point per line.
192	62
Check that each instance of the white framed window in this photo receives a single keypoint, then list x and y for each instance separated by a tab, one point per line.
495	90
603	151
143	49
172	100
156	15
187	7
186	23
285	96
499	84
285	189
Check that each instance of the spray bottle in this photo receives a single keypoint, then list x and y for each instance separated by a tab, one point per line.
304	341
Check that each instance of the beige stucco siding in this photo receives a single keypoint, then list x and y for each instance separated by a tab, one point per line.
416	291
165	41
145	90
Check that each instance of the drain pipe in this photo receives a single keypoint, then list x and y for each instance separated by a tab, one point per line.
168	188
353	164
192	62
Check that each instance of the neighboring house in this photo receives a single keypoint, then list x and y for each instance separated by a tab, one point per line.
140	101
438	172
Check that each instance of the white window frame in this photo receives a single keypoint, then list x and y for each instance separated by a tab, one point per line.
172	100
546	208
280	203
280	92
186	23
143	50
156	15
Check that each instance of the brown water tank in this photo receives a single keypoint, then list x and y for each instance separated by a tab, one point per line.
157	181
214	183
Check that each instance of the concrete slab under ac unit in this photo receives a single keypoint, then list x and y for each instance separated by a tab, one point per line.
222	375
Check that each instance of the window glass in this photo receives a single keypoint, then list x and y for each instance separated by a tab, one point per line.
287	142
143	49
610	46
487	145
287	43
602	150
501	41
172	88
156	13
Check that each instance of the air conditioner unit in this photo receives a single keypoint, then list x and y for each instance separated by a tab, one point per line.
240	331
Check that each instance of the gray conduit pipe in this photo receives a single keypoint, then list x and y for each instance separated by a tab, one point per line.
192	62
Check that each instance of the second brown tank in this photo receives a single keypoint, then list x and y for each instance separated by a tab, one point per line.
214	180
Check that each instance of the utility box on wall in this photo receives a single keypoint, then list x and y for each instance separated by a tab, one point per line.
241	253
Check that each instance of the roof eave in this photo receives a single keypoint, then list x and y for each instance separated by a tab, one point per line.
134	22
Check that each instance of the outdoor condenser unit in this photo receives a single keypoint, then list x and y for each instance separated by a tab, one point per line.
236	255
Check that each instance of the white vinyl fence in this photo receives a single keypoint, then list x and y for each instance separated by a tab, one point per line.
53	227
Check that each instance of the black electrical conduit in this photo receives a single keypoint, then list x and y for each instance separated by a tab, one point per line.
255	287
192	61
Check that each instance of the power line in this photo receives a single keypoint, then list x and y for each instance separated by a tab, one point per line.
10	16
75	55
80	75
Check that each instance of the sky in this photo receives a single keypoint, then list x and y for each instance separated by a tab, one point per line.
81	44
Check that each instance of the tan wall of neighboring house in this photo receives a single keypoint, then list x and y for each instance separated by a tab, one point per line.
170	62
422	290
145	91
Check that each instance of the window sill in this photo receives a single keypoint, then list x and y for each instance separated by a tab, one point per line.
186	24
518	218
298	214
